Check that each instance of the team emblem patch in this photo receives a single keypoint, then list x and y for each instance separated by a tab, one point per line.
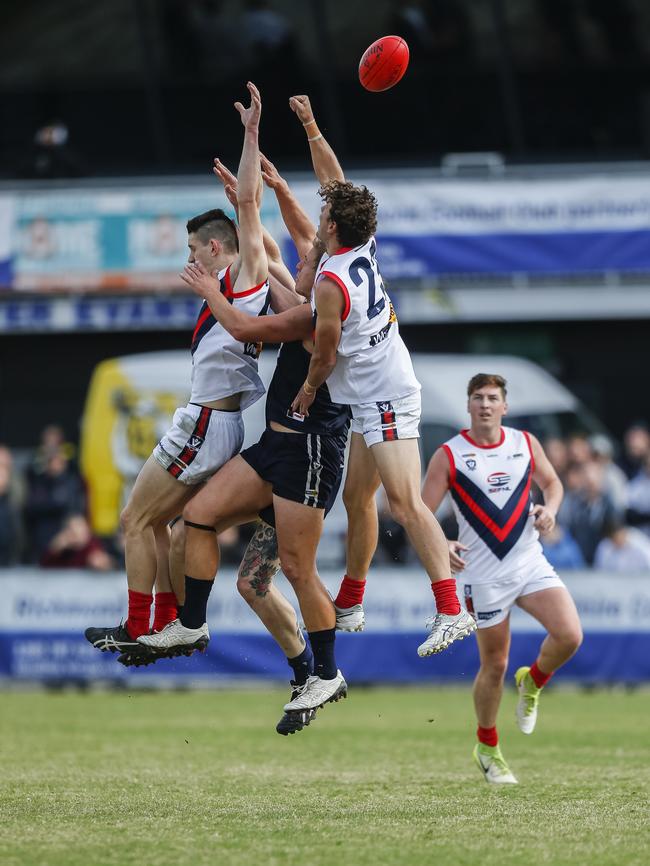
471	465
499	481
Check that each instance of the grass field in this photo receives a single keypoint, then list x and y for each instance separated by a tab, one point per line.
386	777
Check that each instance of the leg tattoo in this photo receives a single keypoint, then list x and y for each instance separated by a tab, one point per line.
261	561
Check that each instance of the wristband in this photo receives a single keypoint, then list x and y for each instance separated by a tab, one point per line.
309	122
316	137
308	389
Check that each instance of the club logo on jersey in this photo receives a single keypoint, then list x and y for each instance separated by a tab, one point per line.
498	481
252	349
385	407
471	465
195	443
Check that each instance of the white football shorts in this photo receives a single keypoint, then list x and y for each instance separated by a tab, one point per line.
199	442
490	603
388	420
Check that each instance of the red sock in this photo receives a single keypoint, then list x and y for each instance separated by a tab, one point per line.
539	677
164	610
487	736
139	612
350	593
446	598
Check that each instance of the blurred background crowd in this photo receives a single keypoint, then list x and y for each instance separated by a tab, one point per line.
604	521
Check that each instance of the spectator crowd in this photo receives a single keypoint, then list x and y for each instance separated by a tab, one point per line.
604	520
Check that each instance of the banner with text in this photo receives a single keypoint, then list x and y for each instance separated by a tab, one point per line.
133	237
43	618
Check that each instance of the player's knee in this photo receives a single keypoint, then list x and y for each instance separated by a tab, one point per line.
131	521
294	569
403	509
196	512
495	667
571	639
356	498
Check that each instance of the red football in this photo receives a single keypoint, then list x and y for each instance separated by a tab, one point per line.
384	63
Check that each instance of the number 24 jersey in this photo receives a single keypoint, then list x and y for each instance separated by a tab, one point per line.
372	364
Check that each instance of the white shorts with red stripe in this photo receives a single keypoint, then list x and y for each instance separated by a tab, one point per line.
199	442
490	603
388	420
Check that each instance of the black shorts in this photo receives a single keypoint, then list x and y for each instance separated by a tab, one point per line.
301	467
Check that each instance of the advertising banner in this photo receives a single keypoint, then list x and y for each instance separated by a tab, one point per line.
133	238
43	617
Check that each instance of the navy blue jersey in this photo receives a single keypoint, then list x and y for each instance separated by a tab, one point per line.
325	417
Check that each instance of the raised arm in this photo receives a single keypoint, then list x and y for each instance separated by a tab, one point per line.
294	324
254	266
326	165
277	266
326	340
299	226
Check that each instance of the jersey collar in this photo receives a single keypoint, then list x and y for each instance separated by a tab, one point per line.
465	435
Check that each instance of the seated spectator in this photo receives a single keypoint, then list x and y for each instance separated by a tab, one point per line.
562	550
636	448
52	494
624	550
587	508
638	498
74	546
10	526
602	452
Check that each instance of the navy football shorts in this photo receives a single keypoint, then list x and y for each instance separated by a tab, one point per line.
301	467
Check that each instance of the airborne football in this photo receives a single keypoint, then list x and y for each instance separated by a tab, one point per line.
384	63
324	512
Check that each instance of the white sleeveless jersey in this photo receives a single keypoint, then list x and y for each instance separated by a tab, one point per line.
490	491
372	363
221	365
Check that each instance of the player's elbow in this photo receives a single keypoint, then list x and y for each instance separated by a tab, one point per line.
241	333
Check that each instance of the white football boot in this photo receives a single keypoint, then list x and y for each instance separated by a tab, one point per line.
350	618
317	692
176	639
444	630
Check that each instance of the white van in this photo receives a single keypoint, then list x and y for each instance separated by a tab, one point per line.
131	399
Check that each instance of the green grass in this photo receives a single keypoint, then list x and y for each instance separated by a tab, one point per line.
386	777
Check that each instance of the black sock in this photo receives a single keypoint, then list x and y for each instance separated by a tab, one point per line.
322	643
179	612
303	665
195	608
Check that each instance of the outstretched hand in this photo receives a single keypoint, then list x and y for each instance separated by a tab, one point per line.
199	280
228	180
302	107
271	176
250	117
